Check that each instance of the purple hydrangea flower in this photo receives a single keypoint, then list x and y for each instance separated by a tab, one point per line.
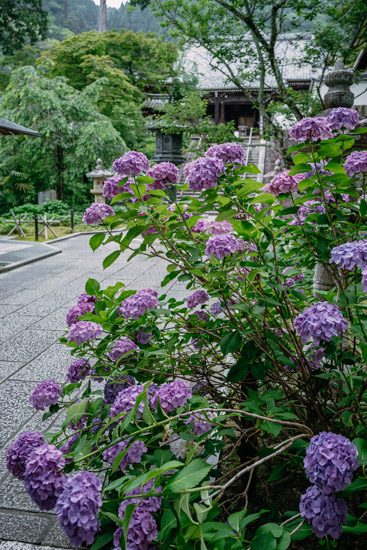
78	508
204	173
364	279
216	309
143	337
126	400
163	174
111	187
78	370
148	503
218	228
222	245
350	255
172	395
330	461
84	331
122	347
201	422
227	152
96	213
67	447
294	279
42	478
282	183
356	162
321	322
310	207
45	394
137	304
197	298
132	456
315	356
74	313
131	163
199	315
310	128
325	513
342	118
19	451
201	226
114	386
142	531
186	169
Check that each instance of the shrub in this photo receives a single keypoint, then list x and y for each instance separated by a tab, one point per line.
219	395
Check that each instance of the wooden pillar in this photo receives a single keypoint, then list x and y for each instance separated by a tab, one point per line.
216	110
222	113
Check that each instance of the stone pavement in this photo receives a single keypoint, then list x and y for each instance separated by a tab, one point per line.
34	300
15	253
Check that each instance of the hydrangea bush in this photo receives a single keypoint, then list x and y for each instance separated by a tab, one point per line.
179	416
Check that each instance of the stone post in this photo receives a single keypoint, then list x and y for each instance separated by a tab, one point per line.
99	176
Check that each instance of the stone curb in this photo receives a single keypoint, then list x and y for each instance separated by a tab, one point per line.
72	235
21	263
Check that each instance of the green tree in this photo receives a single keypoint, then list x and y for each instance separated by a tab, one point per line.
21	21
243	38
73	135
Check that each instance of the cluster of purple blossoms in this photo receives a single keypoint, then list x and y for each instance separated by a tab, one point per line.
85	304
114	386
78	370
330	462
143	337
212	227
320	322
227	152
350	255
96	213
310	128
126	400
137	304
204	173
283	183
131	163
163	174
342	118
222	245
132	456
67	447
356	162
315	355
87	300
19	451
201	226
45	394
310	207
78	508
43	479
122	347
197	298
294	279
325	513
84	331
172	395
364	279
182	209
201	422
199	315
111	187
142	528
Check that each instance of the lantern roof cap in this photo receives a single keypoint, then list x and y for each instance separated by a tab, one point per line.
99	171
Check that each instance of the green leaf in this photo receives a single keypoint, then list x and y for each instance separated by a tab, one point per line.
96	240
92	287
188	477
252	169
278	472
127	517
266	198
299	169
249	186
271	427
361	445
226	215
359	484
131	234
301	158
304	184
358	529
103	540
284	542
231	342
363	208
235	520
111	258
264	542
168	522
273	528
76	411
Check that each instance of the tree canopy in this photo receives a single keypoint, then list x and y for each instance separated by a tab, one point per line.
73	135
21	21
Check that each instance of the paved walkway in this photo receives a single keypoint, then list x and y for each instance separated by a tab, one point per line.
34	300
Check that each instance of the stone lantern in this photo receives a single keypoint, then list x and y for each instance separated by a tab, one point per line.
168	147
99	176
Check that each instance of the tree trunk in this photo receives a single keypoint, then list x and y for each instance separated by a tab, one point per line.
102	16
